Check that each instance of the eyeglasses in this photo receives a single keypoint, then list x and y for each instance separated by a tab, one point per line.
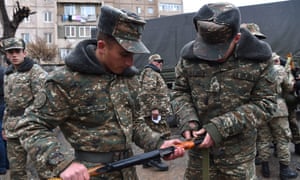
11	51
159	61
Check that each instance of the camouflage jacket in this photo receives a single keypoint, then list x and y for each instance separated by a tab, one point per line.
228	99
20	89
97	112
155	93
285	86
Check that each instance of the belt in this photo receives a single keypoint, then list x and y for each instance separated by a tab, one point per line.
101	157
16	112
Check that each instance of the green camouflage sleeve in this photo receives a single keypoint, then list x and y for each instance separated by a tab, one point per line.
182	98
36	130
142	135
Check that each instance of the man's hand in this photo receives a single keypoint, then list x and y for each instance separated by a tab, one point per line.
4	135
189	134
179	151
75	171
207	142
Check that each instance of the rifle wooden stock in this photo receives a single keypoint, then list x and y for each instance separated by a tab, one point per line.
141	158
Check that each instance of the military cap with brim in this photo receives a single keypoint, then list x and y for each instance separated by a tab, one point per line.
254	29
154	57
126	27
216	26
13	43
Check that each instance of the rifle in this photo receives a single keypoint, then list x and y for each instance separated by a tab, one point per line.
141	158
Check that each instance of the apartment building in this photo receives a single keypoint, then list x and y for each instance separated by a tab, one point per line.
66	22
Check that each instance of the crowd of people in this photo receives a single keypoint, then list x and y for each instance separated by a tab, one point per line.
230	88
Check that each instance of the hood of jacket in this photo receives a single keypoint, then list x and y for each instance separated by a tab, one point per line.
83	59
249	47
153	67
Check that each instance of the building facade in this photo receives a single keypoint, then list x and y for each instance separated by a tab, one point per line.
66	22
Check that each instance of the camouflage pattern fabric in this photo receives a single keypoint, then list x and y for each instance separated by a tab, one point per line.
244	171
155	95
126	27
13	43
20	89
17	159
230	100
96	113
278	128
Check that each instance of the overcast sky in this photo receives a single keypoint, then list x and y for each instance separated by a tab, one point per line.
194	5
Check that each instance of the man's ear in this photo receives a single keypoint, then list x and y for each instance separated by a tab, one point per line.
237	37
101	44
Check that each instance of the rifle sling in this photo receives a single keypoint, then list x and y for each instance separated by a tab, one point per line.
205	163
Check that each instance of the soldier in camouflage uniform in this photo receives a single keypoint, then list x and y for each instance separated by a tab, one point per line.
255	30
278	128
23	79
223	89
156	102
94	99
292	101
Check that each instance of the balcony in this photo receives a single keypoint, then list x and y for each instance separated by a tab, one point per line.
78	18
79	1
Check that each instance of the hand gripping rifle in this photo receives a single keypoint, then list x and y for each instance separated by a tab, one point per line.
141	158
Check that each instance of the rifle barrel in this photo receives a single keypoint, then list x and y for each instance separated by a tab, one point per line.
141	158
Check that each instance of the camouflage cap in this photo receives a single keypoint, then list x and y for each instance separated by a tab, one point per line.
216	25
154	57
13	43
126	27
254	29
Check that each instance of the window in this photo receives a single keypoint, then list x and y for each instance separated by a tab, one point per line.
170	7
85	31
86	11
48	16
70	31
150	10
48	37
69	9
25	37
63	52
138	10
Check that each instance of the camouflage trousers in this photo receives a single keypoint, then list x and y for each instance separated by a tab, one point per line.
17	157
194	170
293	122
276	130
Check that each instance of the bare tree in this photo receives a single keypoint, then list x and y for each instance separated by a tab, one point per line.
41	51
10	26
